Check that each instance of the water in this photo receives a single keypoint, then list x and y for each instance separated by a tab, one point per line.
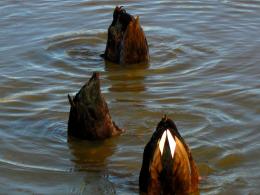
204	73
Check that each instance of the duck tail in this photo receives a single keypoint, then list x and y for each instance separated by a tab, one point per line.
167	146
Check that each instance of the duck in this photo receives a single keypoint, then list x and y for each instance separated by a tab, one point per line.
89	116
168	166
126	40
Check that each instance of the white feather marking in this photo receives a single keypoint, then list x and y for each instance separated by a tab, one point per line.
167	134
172	142
162	142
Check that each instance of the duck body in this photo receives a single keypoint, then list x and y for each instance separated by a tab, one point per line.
168	166
126	42
89	116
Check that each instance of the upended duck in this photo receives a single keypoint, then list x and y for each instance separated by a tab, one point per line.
168	166
126	41
89	116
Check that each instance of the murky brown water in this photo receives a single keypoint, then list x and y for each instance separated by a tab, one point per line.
204	73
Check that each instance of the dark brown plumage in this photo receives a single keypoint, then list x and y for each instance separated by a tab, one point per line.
89	115
126	42
164	173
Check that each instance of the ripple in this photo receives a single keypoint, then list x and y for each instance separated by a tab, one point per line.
76	39
27	166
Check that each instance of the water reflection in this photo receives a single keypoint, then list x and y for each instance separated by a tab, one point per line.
90	155
91	158
126	78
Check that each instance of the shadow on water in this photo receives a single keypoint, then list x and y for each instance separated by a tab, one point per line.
91	159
